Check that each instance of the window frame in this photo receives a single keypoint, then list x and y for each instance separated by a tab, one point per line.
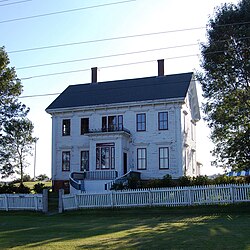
141	159
65	161
162	121
82	168
66	127
83	129
106	148
142	123
163	158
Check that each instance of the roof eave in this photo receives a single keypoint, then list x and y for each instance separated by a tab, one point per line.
114	105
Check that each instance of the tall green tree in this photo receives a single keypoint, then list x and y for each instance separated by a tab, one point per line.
225	81
10	90
18	143
15	129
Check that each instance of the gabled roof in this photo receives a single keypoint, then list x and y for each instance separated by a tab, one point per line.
123	91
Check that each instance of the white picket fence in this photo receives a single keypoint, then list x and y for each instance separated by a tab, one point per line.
178	196
21	202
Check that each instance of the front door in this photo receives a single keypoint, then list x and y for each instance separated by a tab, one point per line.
125	163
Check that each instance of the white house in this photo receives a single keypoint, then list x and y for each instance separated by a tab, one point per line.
106	129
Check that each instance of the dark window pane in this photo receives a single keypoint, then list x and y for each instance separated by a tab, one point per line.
66	161
84	160
84	125
66	127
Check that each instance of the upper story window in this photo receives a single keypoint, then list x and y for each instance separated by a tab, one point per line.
141	158
141	122
66	161
112	123
66	127
163	120
84	125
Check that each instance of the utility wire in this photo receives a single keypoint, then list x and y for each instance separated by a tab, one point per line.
115	55
117	38
117	65
64	11
15	3
101	67
105	56
110	88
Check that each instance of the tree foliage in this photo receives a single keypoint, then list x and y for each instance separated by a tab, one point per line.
15	128
10	89
225	83
17	142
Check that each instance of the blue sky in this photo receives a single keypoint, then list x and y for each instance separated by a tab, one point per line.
178	23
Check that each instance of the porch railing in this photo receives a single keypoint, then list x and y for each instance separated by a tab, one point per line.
109	129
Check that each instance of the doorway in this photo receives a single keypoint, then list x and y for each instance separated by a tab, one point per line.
125	163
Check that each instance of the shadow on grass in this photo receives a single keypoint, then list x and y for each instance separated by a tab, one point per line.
211	227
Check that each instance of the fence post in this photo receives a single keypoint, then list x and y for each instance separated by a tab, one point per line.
60	201
45	200
6	202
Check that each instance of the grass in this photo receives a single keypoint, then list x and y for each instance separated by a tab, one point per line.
31	184
211	227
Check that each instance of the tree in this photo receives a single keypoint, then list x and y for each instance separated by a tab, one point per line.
225	81
10	89
15	128
17	141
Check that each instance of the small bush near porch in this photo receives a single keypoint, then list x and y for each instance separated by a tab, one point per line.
205	227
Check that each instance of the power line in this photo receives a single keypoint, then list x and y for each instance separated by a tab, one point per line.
64	11
117	38
117	65
102	67
15	3
105	56
115	55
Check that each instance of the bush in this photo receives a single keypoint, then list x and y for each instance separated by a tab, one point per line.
8	188
21	189
38	188
201	180
185	181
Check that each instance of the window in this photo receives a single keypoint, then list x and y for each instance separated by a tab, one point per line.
84	125
105	156
141	122
163	120
112	123
141	158
66	161
164	158
84	161
66	127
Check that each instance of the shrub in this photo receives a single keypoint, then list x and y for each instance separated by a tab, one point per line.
185	181
21	189
201	180
38	188
8	188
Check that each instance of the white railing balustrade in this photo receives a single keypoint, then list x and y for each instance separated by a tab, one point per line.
176	196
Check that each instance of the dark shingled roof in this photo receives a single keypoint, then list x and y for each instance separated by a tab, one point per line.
123	91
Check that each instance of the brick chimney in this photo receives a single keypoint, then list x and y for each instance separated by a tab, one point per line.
94	75
160	67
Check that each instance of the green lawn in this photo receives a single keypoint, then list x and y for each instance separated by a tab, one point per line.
212	227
